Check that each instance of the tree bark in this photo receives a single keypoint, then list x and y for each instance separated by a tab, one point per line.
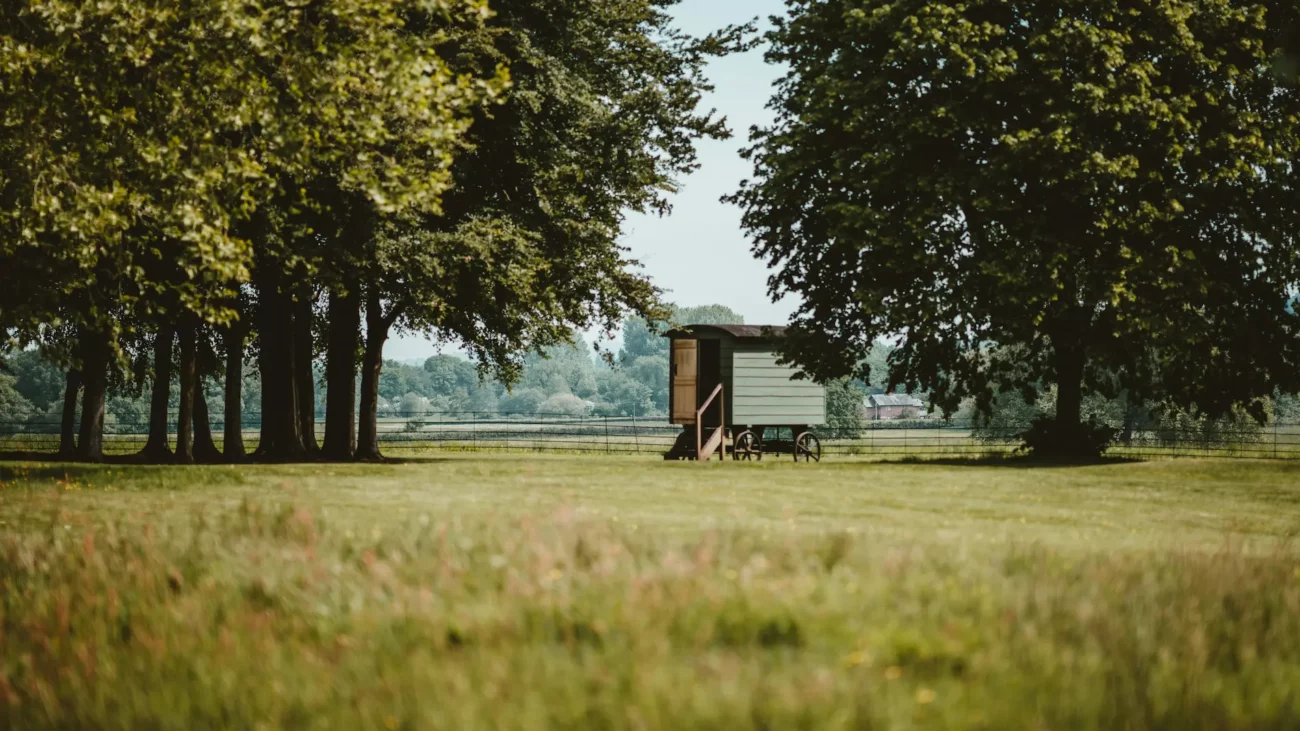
1070	359
266	374
68	428
372	363
1132	414
185	417
232	442
205	449
341	375
281	439
94	379
156	448
304	361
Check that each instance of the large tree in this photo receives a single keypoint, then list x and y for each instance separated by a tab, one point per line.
1090	193
601	119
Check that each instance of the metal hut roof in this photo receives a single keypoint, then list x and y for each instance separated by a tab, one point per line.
764	332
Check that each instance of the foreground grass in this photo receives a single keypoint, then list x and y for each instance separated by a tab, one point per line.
480	592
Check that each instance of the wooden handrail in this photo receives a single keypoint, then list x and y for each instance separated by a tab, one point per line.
699	425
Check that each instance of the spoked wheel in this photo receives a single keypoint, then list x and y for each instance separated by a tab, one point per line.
807	447
747	447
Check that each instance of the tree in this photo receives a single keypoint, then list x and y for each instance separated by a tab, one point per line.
484	400
413	404
36	379
13	407
156	446
207	365
449	374
234	337
844	405
566	404
622	395
707	315
652	371
561	369
523	401
601	119
1101	186
416	112
641	338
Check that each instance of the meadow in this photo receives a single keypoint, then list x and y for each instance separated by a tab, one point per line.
477	591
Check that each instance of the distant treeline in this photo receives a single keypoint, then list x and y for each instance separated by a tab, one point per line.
570	380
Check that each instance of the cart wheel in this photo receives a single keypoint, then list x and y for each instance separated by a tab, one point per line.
807	447
747	447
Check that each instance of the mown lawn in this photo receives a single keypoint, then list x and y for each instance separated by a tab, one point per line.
531	592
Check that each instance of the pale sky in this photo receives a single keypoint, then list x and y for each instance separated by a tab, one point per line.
698	253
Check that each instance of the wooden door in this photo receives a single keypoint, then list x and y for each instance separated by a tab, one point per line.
685	370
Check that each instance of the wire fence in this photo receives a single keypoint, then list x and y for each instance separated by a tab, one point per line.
411	434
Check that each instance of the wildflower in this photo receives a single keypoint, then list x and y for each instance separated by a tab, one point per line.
924	696
893	672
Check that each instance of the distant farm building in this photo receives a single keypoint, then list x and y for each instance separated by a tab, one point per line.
887	406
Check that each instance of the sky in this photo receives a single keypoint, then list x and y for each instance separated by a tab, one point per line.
698	253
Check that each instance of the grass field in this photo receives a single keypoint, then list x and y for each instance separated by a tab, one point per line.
516	592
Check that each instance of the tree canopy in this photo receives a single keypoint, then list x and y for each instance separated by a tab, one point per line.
178	180
1088	193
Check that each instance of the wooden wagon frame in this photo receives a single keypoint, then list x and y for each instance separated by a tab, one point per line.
727	388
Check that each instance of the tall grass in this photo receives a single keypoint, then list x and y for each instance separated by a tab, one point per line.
273	610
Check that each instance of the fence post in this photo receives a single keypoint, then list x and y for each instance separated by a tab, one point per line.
636	438
606	435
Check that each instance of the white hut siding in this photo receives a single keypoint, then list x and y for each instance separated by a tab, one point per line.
763	392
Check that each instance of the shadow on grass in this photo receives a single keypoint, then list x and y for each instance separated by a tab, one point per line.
1012	462
46	470
44	465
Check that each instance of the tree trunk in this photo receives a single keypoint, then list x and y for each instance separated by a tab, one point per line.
371	364
185	417
232	442
304	361
1070	359
281	439
205	449
341	375
68	428
94	379
156	448
1130	422
266	374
